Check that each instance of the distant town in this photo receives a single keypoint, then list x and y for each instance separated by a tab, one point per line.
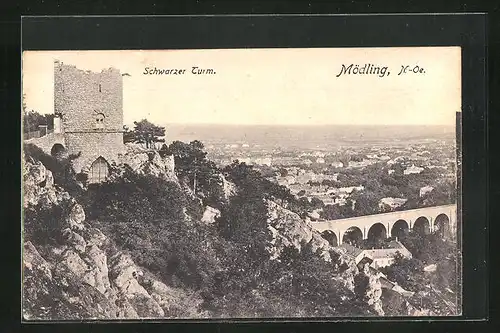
338	176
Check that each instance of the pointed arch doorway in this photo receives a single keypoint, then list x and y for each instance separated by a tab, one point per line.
99	171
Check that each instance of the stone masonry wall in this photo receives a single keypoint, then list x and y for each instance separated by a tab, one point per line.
46	142
77	96
92	145
80	96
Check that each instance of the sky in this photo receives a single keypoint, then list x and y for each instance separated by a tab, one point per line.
268	86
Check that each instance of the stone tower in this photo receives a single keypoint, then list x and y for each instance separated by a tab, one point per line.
91	107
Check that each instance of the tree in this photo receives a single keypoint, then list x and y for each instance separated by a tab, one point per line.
191	163
357	158
443	194
398	169
128	135
366	203
317	203
164	151
408	273
283	172
373	185
32	121
144	133
331	212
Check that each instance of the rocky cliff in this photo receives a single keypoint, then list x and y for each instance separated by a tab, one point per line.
149	162
83	276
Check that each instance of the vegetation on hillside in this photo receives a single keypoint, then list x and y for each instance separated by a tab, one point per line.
437	284
33	119
228	263
144	132
379	184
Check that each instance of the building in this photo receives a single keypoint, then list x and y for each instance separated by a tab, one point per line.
413	170
376	258
352	252
385	257
91	109
337	164
392	203
88	121
263	161
347	190
426	189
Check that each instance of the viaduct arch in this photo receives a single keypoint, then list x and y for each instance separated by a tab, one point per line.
442	219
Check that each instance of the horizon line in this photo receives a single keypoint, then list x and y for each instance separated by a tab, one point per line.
311	125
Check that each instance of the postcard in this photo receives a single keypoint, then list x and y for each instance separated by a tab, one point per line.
241	183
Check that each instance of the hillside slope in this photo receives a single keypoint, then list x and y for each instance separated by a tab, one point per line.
139	246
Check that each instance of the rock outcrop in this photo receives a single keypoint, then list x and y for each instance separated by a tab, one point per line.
78	278
289	229
84	276
149	162
229	189
210	215
38	185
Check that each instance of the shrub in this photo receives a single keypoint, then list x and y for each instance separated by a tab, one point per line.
42	225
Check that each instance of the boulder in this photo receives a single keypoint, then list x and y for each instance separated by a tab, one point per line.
149	162
146	306
76	217
49	179
125	310
98	261
38	172
320	244
124	275
289	225
370	289
74	240
51	196
176	303
71	261
210	215
32	260
94	236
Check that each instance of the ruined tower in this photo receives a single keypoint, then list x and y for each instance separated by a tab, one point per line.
91	109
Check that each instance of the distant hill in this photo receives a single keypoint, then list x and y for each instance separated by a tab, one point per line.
307	136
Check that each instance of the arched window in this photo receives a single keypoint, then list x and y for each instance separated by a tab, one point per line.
99	120
99	170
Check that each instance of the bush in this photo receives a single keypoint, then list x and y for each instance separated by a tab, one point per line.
42	225
145	215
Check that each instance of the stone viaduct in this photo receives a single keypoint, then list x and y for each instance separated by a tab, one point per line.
394	224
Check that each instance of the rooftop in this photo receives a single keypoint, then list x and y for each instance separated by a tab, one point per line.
351	250
394	247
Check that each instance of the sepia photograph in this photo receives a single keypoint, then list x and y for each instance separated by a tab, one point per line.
241	183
